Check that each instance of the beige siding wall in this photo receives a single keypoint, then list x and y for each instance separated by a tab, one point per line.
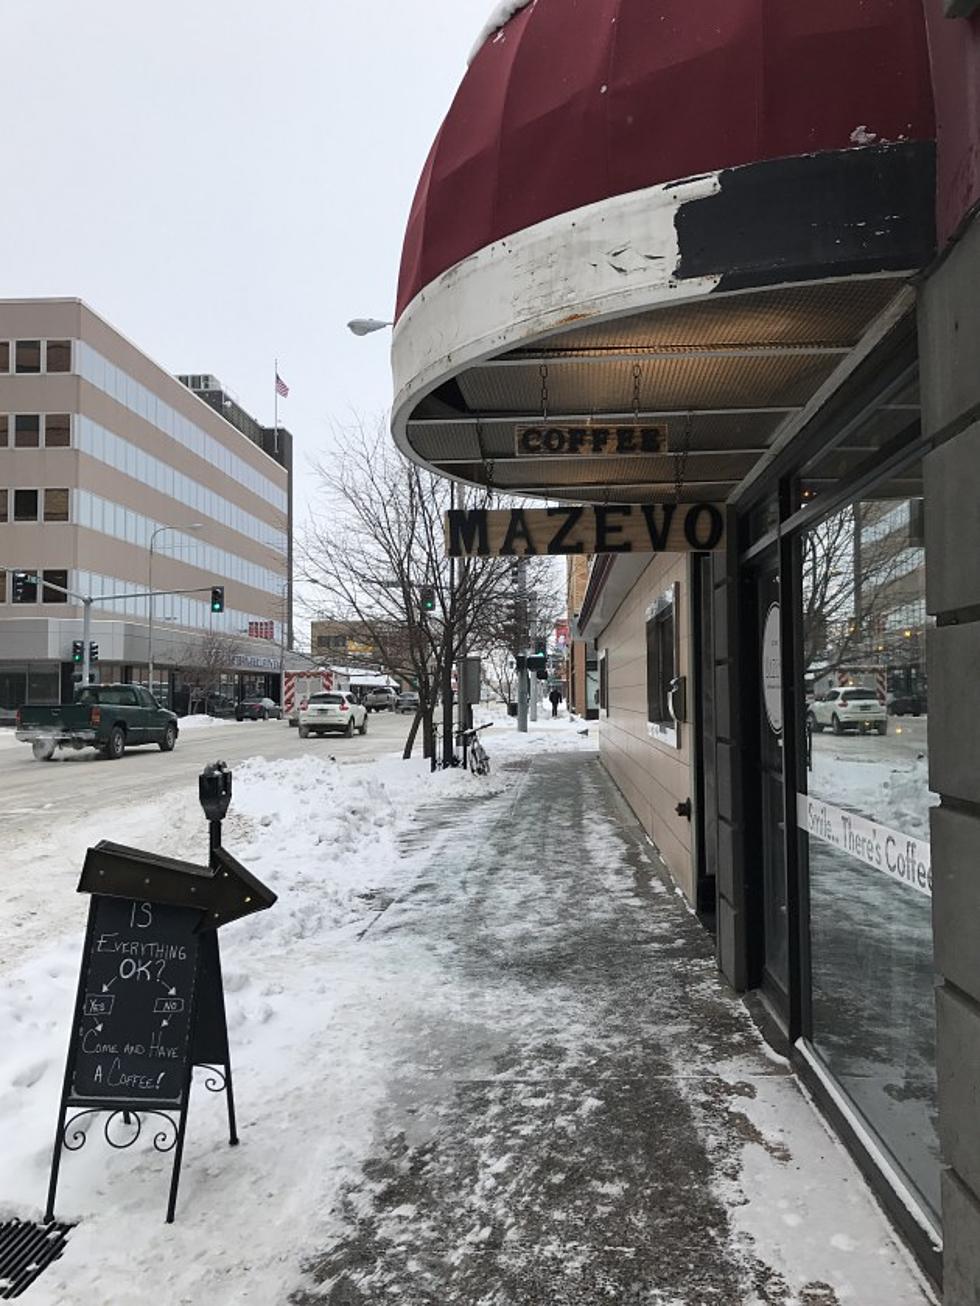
654	776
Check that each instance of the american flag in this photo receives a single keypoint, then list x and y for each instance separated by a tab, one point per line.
281	387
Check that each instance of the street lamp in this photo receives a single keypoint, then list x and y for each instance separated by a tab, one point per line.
195	526
364	326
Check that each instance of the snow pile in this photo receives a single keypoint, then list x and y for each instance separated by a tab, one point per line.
200	721
502	13
312	1026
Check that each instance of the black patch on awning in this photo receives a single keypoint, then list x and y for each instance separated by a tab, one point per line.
834	214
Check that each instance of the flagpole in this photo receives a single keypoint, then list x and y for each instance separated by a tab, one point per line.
275	420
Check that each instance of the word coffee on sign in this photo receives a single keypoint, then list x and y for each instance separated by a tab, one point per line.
611	528
903	857
551	440
137	989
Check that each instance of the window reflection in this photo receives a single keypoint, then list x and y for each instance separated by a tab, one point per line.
866	812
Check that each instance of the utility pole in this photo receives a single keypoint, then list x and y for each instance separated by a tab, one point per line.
449	642
532	643
521	650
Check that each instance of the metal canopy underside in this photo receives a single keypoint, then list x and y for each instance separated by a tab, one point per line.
724	375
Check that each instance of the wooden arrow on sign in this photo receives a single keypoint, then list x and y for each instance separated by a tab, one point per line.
224	892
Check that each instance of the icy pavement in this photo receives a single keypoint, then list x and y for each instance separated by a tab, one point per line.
482	1055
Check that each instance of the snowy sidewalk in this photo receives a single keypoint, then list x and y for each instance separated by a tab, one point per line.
578	1111
482	1058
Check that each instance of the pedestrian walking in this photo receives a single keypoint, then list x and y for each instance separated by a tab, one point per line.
554	698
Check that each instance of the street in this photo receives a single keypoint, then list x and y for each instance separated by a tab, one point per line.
50	812
70	782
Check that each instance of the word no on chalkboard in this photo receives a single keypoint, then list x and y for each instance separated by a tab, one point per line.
150	1003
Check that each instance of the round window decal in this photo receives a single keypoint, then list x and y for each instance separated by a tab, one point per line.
772	672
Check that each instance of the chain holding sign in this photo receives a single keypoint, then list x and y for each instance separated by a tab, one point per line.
150	1002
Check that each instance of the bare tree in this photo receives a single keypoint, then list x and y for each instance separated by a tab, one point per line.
203	662
376	542
852	579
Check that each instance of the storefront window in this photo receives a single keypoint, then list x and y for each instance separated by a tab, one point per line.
865	809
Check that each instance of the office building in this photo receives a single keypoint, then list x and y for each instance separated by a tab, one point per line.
113	474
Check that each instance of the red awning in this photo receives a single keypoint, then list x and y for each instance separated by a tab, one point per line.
577	101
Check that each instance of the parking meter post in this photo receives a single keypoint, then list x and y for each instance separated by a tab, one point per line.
214	792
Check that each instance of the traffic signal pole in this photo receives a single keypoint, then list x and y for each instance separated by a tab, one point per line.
521	650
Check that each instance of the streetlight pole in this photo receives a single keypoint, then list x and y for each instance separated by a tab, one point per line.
522	681
196	526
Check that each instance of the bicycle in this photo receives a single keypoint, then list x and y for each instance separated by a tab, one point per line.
474	756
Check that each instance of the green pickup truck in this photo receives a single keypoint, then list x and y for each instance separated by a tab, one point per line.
110	718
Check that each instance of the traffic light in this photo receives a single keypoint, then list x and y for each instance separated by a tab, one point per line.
427	599
77	650
541	646
218	598
93	651
537	663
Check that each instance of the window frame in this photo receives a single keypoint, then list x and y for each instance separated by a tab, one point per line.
664	728
12	431
38	502
43	505
45	583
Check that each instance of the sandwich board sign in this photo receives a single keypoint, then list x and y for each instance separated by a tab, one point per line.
150	1006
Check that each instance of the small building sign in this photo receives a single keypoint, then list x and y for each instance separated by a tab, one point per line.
585	529
550	439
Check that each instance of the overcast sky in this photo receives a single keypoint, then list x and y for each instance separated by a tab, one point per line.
228	181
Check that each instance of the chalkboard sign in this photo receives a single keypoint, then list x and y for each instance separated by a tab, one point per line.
136	998
150	1004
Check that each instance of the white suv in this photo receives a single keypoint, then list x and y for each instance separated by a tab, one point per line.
337	712
851	707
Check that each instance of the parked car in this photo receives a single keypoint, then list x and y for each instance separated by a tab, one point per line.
906	704
110	718
408	702
380	699
849	707
333	713
258	709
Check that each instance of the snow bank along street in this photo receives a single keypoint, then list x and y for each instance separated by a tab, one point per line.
481	1055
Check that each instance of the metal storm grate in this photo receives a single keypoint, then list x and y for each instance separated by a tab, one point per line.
25	1250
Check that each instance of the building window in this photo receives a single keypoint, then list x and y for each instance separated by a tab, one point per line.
25	505
55	505
27	431
3	430
661	665
57	431
4	355
3	505
59	356
604	681
28	356
59	578
24	587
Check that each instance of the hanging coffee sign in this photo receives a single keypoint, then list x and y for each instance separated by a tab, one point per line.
554	440
586	529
